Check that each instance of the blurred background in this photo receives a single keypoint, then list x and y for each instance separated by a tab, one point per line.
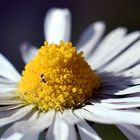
22	20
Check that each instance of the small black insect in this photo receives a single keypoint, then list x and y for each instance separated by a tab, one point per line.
42	78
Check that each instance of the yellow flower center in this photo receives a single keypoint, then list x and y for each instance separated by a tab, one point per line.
58	78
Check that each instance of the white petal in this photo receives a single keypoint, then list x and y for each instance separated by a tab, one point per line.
61	130
34	116
86	132
70	117
30	129
131	117
126	59
122	44
107	44
121	100
8	113
87	115
39	124
134	71
90	38
57	25
130	90
7	70
10	93
9	107
136	81
8	97
15	136
6	81
16	116
118	106
27	52
10	102
112	83
131	132
7	88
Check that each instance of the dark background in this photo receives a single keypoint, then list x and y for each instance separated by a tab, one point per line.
22	20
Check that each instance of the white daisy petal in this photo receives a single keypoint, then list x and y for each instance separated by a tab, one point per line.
126	59
15	136
16	116
109	51
9	99
70	117
86	132
7	87
11	134
35	126
10	102
134	71
87	115
57	25
110	40
8	113
130	90
118	106
10	107
131	132
34	116
136	81
131	117
10	93
27	51
127	85
112	78
112	83
61	130
122	100
90	38
6	81
7	70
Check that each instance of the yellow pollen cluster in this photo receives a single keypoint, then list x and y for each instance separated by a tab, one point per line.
58	78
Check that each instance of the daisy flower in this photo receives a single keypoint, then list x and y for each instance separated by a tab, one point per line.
63	88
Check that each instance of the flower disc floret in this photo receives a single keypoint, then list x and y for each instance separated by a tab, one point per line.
57	78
